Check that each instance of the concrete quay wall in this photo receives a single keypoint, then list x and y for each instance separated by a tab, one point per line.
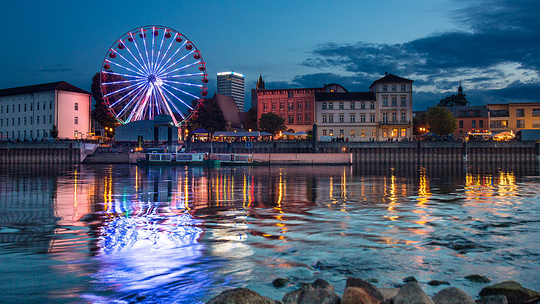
41	153
303	158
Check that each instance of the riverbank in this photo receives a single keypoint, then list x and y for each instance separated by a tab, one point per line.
358	291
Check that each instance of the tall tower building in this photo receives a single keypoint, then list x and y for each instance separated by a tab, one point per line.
260	86
232	84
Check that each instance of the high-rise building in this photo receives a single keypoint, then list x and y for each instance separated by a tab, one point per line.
232	84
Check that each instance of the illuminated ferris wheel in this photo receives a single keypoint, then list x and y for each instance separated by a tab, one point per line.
153	70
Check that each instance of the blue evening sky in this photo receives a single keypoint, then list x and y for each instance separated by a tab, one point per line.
492	46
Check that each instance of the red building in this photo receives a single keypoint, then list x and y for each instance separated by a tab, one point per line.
296	106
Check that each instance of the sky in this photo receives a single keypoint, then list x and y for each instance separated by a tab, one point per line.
491	46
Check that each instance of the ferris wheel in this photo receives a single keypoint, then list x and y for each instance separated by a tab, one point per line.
153	70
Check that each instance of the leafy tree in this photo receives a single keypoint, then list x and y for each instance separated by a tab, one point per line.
251	119
101	113
210	116
440	121
271	123
54	131
458	99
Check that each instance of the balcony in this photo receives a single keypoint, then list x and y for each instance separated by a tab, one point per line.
499	113
395	123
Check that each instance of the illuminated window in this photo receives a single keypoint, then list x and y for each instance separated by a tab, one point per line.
341	133
373	133
331	132
363	133
403	132
395	132
353	133
385	132
324	132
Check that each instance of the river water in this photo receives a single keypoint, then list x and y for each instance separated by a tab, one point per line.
126	233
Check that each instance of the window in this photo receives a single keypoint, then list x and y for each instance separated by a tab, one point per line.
265	106
474	123
341	118
18	134
353	105
50	118
520	112
44	105
341	133
307	117
12	121
281	106
372	118
291	94
403	101
31	134
372	105
13	108
76	120
363	133
341	105
291	119
385	118
299	119
461	124
395	132
353	118
403	117
362	105
385	132
32	120
19	108
37	104
18	121
1	122
385	101
394	88
394	101
76	106
50	105
403	132
273	106
373	133
480	123
25	107
1	109
330	118
324	132
45	134
308	105
31	107
25	121
402	88
37	120
324	105
394	117
330	105
324	118
362	117
385	88
520	123
353	133
299	105
536	113
290	106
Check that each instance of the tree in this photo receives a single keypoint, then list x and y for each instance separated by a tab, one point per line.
101	113
251	119
458	99
440	121
54	131
210	116
271	123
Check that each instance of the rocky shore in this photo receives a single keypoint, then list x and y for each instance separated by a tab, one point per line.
358	291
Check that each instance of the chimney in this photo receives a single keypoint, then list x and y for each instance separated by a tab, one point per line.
385	73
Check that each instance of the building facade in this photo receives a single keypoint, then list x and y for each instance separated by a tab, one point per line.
394	107
232	84
514	116
296	106
350	116
29	113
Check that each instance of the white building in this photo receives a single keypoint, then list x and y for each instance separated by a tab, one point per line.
30	112
383	113
232	84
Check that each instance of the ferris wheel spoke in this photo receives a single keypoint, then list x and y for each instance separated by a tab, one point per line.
146	53
128	94
136	97
178	98
159	61
172	103
182	75
166	103
183	83
181	59
160	48
123	75
140	54
126	68
133	55
120	90
172	57
153	39
187	66
117	82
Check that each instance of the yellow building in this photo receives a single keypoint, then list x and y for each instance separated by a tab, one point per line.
514	116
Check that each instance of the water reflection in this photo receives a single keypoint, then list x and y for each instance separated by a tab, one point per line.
153	234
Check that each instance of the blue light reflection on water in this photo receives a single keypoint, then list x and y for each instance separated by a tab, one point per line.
176	234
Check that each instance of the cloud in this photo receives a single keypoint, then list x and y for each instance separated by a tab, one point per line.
55	70
496	53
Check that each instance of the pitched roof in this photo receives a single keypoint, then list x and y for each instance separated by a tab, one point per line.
354	96
390	78
260	83
61	85
229	108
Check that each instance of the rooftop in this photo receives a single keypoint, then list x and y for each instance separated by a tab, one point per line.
61	86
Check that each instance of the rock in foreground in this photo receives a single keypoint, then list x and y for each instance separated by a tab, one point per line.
412	293
514	292
452	295
319	291
240	296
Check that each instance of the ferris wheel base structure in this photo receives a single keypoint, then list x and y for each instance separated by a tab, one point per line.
153	70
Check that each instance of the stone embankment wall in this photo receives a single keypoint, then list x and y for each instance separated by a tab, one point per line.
392	152
41	153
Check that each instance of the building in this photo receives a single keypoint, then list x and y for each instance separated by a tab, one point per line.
130	132
473	119
28	113
394	107
347	115
232	84
514	116
260	86
233	116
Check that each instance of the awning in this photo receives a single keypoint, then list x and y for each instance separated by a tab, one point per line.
237	134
